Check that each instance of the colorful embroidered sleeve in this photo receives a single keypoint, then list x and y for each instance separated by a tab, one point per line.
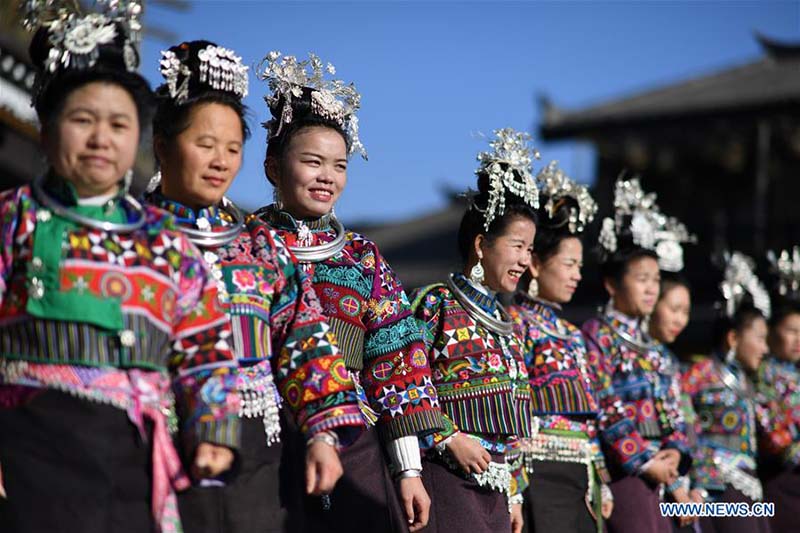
675	436
202	358
427	312
625	446
704	473
10	212
396	375
516	466
311	373
778	396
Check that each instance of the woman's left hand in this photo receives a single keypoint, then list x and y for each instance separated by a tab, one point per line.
516	518
323	468
211	460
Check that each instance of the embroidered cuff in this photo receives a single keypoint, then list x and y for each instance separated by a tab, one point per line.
404	454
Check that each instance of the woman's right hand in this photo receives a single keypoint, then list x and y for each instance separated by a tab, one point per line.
661	470
469	454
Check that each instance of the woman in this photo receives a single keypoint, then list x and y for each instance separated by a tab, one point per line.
474	471
566	467
670	317
778	384
641	426
313	131
722	394
199	131
106	309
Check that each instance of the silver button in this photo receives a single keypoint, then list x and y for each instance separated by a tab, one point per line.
37	264
43	215
36	289
127	338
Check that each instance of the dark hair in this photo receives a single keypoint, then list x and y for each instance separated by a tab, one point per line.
52	89
616	266
670	280
553	229
172	118
744	316
303	116
472	221
783	307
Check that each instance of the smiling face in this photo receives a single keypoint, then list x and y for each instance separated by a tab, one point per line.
671	314
507	256
312	172
637	293
199	165
93	142
559	275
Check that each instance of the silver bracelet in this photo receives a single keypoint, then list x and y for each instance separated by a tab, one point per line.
331	439
404	474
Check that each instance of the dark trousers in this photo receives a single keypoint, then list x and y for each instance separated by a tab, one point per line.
250	501
636	508
73	466
784	491
734	524
555	500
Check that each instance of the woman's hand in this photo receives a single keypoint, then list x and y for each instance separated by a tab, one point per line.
469	454
323	468
661	470
681	495
416	502
516	518
211	460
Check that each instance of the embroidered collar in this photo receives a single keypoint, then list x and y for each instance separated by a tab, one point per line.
550	322
186	215
284	220
630	330
480	296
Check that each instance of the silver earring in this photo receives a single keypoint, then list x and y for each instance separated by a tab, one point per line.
127	180
609	306
477	273
533	288
154	182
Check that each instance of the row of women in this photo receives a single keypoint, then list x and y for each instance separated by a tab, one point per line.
172	364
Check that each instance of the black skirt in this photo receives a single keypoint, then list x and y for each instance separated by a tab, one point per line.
364	498
249	501
555	500
460	504
734	524
784	491
73	466
636	508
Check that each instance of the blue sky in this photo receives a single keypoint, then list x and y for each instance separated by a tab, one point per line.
435	77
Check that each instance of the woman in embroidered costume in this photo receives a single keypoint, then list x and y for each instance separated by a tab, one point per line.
199	130
722	393
778	385
313	131
670	317
564	460
105	308
475	473
642	429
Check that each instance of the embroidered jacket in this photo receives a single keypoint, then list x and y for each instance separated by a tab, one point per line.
370	315
278	327
562	387
778	391
641	413
480	375
731	422
74	295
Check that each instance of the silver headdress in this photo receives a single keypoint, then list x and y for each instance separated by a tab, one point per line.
739	281
219	68
508	166
556	186
75	37
787	268
650	228
331	99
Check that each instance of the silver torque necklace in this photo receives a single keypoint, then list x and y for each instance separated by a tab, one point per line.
321	252
206	238
63	211
501	327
